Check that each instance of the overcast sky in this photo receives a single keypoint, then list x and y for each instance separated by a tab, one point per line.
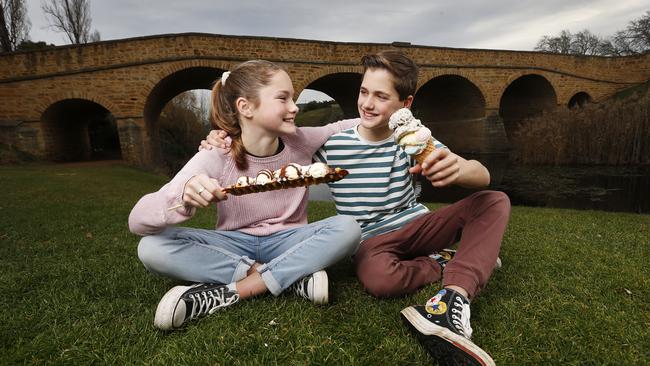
495	24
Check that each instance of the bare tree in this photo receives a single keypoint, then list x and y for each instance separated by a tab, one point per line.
182	123
14	24
586	43
607	48
559	44
581	43
71	17
618	45
635	39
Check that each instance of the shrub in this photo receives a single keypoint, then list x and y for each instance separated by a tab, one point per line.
615	132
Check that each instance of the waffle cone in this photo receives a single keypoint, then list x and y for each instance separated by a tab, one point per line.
424	153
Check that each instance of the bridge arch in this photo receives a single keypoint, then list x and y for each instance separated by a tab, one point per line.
178	79
526	96
76	94
447	98
454	108
579	100
174	80
342	86
78	129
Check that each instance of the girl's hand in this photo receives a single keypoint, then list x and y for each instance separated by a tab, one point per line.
441	168
201	190
216	138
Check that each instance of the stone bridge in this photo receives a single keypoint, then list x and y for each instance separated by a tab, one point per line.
54	102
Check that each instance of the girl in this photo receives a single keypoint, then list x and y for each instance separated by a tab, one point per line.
262	241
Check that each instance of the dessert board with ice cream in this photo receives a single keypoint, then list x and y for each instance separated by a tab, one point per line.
289	176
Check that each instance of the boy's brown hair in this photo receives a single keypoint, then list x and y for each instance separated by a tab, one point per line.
403	69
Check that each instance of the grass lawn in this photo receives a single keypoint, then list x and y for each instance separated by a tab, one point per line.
574	289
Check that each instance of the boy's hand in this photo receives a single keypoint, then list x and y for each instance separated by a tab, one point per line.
441	168
200	190
216	138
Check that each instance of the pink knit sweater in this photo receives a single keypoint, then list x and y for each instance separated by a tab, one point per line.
256	214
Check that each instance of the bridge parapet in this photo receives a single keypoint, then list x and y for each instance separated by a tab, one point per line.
63	60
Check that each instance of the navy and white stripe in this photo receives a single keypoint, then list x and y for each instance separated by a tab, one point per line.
379	191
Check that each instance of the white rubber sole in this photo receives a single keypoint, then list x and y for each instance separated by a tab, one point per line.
427	329
498	264
164	318
321	288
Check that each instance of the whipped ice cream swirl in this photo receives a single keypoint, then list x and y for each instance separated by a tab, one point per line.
409	131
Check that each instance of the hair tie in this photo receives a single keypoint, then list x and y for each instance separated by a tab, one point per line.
224	76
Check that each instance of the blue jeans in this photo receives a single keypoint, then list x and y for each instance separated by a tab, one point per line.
215	256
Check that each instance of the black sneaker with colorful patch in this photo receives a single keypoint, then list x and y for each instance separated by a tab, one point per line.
184	303
442	326
443	256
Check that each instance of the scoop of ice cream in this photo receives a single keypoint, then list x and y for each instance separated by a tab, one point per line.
401	117
245	181
263	177
403	122
318	170
414	142
291	171
409	131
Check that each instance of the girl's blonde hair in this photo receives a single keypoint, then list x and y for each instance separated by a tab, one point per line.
245	81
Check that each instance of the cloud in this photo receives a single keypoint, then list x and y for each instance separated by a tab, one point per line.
497	24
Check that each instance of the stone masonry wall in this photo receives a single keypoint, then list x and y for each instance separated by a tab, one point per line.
119	75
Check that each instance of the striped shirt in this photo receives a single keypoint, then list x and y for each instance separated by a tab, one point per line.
379	191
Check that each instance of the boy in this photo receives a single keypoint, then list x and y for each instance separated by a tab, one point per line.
400	237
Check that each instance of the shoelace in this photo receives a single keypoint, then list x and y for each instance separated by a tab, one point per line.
207	302
461	321
300	287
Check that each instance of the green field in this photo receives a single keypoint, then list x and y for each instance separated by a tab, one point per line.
574	289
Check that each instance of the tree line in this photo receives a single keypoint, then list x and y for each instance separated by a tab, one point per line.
182	123
71	17
313	105
633	40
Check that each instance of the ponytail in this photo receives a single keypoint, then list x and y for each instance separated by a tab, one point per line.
224	118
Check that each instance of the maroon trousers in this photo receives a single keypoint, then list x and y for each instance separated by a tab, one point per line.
398	263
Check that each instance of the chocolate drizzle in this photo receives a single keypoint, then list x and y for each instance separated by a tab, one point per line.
332	176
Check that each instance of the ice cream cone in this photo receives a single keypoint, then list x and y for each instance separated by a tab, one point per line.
424	153
410	134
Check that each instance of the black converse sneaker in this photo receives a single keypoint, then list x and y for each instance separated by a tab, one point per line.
442	327
313	287
184	303
445	255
